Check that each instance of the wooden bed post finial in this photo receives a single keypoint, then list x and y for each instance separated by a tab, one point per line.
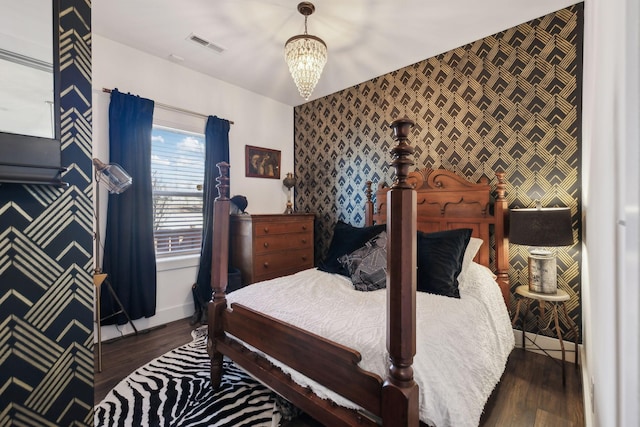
219	272
223	181
400	392
220	252
368	192
368	205
501	187
401	152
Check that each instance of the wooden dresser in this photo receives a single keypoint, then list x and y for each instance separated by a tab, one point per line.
268	246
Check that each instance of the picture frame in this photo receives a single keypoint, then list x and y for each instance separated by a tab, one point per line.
261	162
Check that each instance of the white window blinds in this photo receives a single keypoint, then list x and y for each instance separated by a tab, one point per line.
177	174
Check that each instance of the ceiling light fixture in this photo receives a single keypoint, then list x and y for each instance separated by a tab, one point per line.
305	55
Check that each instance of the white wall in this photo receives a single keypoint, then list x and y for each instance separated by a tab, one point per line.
611	189
257	121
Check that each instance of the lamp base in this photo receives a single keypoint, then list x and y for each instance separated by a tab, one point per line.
542	272
289	208
288	182
100	278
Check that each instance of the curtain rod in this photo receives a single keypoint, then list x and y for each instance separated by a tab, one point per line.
172	108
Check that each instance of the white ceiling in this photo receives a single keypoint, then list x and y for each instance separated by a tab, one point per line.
365	38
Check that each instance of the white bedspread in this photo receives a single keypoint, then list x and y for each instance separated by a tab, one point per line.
462	344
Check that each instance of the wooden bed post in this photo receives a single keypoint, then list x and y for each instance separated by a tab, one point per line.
400	392
219	272
501	213
368	206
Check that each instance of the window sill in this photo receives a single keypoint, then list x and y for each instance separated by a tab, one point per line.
177	262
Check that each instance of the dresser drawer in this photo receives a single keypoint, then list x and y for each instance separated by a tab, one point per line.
271	228
270	265
276	242
271	245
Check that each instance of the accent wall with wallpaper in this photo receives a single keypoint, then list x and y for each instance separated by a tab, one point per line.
46	297
509	102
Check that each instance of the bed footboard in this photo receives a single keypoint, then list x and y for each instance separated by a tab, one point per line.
324	411
328	363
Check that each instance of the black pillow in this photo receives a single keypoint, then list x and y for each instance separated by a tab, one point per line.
346	239
440	258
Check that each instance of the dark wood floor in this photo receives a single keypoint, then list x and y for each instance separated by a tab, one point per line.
120	357
530	393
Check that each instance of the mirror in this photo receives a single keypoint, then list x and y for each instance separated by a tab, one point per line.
26	66
29	91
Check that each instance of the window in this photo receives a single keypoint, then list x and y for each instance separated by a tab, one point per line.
177	174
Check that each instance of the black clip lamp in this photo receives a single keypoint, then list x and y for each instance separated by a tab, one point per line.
540	228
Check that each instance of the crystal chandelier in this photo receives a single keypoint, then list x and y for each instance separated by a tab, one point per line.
305	55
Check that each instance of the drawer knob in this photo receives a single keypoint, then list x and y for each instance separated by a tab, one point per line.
304	227
304	258
266	229
266	244
266	264
304	240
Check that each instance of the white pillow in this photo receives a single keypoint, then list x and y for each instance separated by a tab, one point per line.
470	252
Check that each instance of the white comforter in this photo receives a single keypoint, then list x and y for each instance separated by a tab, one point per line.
462	344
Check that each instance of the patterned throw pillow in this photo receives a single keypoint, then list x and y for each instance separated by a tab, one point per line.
346	239
367	265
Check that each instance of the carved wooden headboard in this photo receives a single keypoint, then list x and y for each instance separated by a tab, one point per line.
447	201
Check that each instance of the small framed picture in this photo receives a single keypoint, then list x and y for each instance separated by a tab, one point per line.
261	162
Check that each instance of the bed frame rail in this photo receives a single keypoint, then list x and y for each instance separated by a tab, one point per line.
330	364
324	411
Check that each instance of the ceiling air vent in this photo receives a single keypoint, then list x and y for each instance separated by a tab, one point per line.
206	43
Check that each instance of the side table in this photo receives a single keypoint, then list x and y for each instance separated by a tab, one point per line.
523	294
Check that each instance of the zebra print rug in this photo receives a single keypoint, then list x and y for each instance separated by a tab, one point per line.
174	390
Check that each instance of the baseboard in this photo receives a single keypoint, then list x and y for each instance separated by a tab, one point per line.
161	318
551	345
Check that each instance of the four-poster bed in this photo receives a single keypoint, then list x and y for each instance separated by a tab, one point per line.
425	200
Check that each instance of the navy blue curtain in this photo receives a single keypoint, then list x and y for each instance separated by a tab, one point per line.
216	151
129	253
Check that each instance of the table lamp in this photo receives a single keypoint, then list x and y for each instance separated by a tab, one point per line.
541	228
289	182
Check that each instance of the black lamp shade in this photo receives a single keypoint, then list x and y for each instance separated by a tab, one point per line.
541	227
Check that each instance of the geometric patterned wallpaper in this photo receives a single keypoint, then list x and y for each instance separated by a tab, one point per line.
46	297
510	102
